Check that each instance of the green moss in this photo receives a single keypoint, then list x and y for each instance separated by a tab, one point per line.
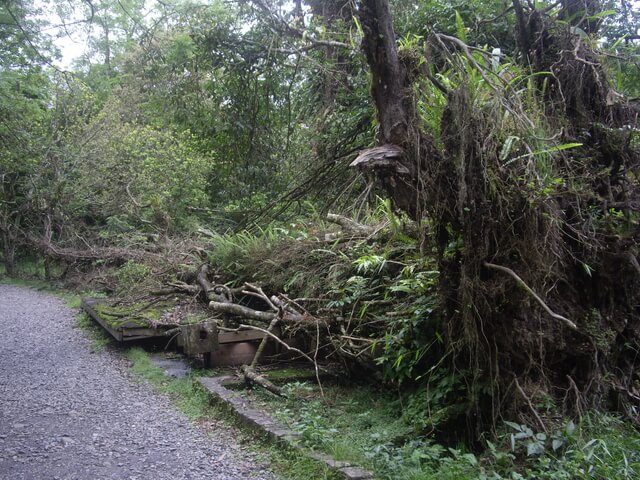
136	314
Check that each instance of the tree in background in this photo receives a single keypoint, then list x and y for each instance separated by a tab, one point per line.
24	135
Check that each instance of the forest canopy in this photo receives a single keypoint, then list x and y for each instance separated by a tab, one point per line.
483	154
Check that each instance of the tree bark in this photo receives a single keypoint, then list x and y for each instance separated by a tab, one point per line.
253	377
9	253
389	77
391	89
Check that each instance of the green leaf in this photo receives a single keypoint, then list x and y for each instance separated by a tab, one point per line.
570	428
506	148
535	448
513	425
603	14
556	148
461	30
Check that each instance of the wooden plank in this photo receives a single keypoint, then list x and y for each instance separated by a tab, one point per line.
87	305
140	332
242	336
127	331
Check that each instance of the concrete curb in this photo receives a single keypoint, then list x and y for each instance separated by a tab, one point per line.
261	421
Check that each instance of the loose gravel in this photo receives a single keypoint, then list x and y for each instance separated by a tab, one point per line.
68	413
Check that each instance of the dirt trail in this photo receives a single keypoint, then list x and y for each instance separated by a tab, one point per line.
68	413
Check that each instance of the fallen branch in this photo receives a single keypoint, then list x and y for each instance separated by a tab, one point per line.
349	226
513	274
261	316
253	377
109	254
286	305
241	311
263	343
275	337
531	407
255	291
208	288
178	287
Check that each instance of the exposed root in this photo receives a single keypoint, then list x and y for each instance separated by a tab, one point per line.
522	283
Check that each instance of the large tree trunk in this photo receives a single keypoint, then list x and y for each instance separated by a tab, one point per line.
389	78
9	253
391	90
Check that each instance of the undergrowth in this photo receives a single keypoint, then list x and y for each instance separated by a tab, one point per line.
377	430
98	337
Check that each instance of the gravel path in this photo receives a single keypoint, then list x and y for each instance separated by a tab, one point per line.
67	413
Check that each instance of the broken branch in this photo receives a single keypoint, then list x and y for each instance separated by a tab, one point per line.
251	376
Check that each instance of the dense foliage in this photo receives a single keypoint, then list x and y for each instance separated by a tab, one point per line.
225	131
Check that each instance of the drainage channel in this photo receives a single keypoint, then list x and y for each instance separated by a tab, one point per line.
176	367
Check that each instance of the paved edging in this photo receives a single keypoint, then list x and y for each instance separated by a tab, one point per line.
216	386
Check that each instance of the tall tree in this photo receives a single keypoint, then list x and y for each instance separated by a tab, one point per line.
523	230
23	118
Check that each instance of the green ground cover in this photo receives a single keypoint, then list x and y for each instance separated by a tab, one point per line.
377	430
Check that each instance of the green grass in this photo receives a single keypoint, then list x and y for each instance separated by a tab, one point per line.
348	424
601	447
188	396
100	339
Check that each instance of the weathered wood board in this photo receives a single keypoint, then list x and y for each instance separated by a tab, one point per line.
131	330
126	331
223	348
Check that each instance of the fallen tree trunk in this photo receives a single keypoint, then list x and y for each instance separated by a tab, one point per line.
97	253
